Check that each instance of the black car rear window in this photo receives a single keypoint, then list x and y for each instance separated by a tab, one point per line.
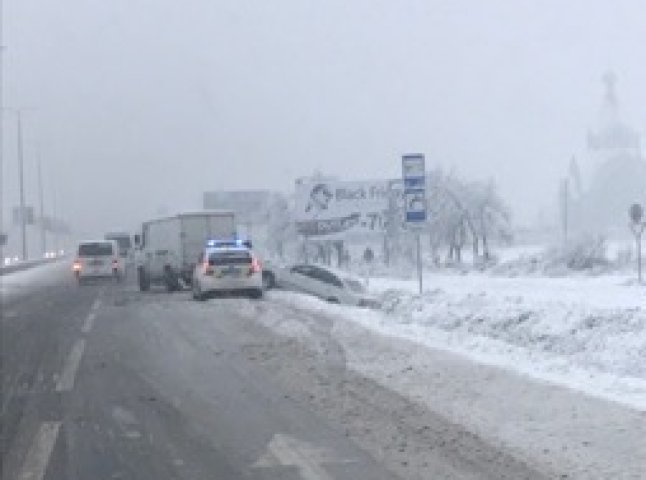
95	249
230	257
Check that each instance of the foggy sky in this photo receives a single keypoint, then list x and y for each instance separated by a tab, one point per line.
140	105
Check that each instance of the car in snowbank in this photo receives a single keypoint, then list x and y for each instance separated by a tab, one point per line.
323	282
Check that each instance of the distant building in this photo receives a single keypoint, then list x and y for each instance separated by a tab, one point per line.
259	213
613	174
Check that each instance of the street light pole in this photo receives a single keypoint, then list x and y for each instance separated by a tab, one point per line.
1	127
21	168
43	235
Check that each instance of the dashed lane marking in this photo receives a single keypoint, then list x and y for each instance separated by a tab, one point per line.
66	380
89	322
37	458
96	304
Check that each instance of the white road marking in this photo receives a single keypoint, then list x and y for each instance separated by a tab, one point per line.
66	380
96	304
89	322
127	422
37	457
288	451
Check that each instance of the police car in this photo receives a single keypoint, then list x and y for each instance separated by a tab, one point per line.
227	266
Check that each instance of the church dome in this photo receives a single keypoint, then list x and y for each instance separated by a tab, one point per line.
612	133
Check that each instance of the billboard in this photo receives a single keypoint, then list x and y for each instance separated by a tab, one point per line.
340	208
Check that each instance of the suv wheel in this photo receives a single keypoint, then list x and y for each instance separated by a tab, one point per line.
256	294
144	282
197	291
268	280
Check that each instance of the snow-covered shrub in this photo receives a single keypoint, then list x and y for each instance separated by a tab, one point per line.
584	253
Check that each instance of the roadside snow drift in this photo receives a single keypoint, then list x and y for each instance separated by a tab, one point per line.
586	333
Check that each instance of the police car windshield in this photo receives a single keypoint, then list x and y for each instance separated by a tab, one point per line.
229	257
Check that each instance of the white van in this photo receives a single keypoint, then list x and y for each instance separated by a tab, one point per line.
98	259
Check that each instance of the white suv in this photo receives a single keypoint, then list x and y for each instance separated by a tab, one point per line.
98	258
227	267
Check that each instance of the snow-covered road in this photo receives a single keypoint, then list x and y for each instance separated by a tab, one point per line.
438	386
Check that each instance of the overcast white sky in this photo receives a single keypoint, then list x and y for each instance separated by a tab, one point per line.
143	104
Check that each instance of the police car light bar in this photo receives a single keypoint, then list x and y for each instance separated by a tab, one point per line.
228	243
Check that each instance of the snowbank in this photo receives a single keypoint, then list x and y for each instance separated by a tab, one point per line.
586	333
22	282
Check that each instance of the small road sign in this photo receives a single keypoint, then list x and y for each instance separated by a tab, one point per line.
414	177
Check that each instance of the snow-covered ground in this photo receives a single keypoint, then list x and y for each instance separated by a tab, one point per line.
24	281
547	407
585	333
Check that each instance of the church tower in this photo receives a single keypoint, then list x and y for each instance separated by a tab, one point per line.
614	172
611	137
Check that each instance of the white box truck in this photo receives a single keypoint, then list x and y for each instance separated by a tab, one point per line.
168	248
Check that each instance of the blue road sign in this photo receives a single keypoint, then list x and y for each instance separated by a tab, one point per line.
414	177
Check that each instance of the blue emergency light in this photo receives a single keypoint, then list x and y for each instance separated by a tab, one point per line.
236	242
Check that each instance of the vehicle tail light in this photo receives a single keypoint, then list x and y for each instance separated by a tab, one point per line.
255	266
207	269
76	266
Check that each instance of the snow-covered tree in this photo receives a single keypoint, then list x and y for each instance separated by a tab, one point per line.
458	210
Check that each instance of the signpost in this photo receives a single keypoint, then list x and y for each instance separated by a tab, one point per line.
637	226
414	177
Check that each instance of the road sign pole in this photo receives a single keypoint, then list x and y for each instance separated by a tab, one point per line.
414	178
636	213
420	272
638	237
